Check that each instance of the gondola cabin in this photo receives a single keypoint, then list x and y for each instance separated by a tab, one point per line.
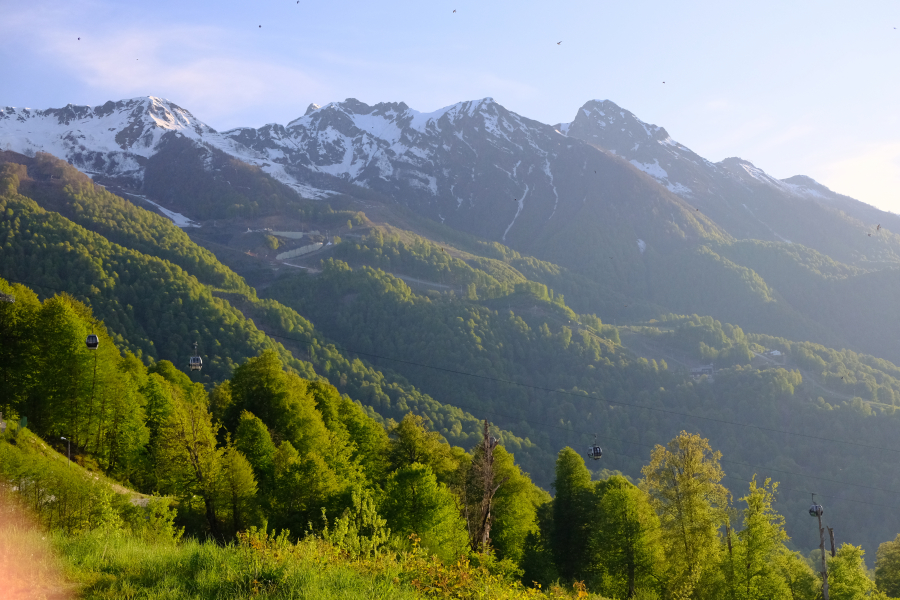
92	342
595	452
816	510
196	363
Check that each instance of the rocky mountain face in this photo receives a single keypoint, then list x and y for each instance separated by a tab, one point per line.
474	166
607	194
738	196
114	139
478	167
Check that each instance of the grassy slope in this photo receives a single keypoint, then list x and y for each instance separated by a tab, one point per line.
115	559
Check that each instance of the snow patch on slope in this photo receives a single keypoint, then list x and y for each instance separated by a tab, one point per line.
521	204
177	218
552	186
652	169
680	190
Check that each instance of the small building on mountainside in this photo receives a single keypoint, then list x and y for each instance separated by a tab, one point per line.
698	372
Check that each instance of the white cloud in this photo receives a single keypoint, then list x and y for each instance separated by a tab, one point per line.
213	88
198	67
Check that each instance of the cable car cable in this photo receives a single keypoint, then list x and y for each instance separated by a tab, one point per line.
550	390
582	396
590	396
725	460
781	487
553	391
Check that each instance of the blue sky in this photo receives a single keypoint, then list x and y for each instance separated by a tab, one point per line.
796	88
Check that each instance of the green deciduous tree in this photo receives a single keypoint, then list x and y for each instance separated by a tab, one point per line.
253	441
514	510
59	403
18	347
415	502
848	578
624	545
188	461
280	399
538	564
411	442
887	567
304	485
753	559
367	439
682	481
572	513
237	489
360	531
802	582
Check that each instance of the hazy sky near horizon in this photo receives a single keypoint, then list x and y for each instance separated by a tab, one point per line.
807	88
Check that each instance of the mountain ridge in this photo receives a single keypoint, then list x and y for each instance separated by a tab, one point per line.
606	196
430	161
165	114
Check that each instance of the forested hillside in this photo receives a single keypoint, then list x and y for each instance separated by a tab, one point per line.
264	447
357	373
780	289
501	341
283	473
140	297
554	376
165	305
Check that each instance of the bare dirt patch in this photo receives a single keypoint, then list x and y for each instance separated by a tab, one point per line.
29	570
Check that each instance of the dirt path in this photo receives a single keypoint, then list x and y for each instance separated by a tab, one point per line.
420	281
808	378
641	346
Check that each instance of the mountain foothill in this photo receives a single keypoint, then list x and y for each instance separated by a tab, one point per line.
367	285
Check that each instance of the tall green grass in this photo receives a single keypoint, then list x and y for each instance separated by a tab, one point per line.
118	565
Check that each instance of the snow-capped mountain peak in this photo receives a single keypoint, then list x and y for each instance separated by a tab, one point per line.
112	138
608	115
473	164
604	123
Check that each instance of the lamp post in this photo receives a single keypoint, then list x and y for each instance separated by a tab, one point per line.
69	442
816	510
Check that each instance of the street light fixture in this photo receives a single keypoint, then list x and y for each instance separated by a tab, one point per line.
69	442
